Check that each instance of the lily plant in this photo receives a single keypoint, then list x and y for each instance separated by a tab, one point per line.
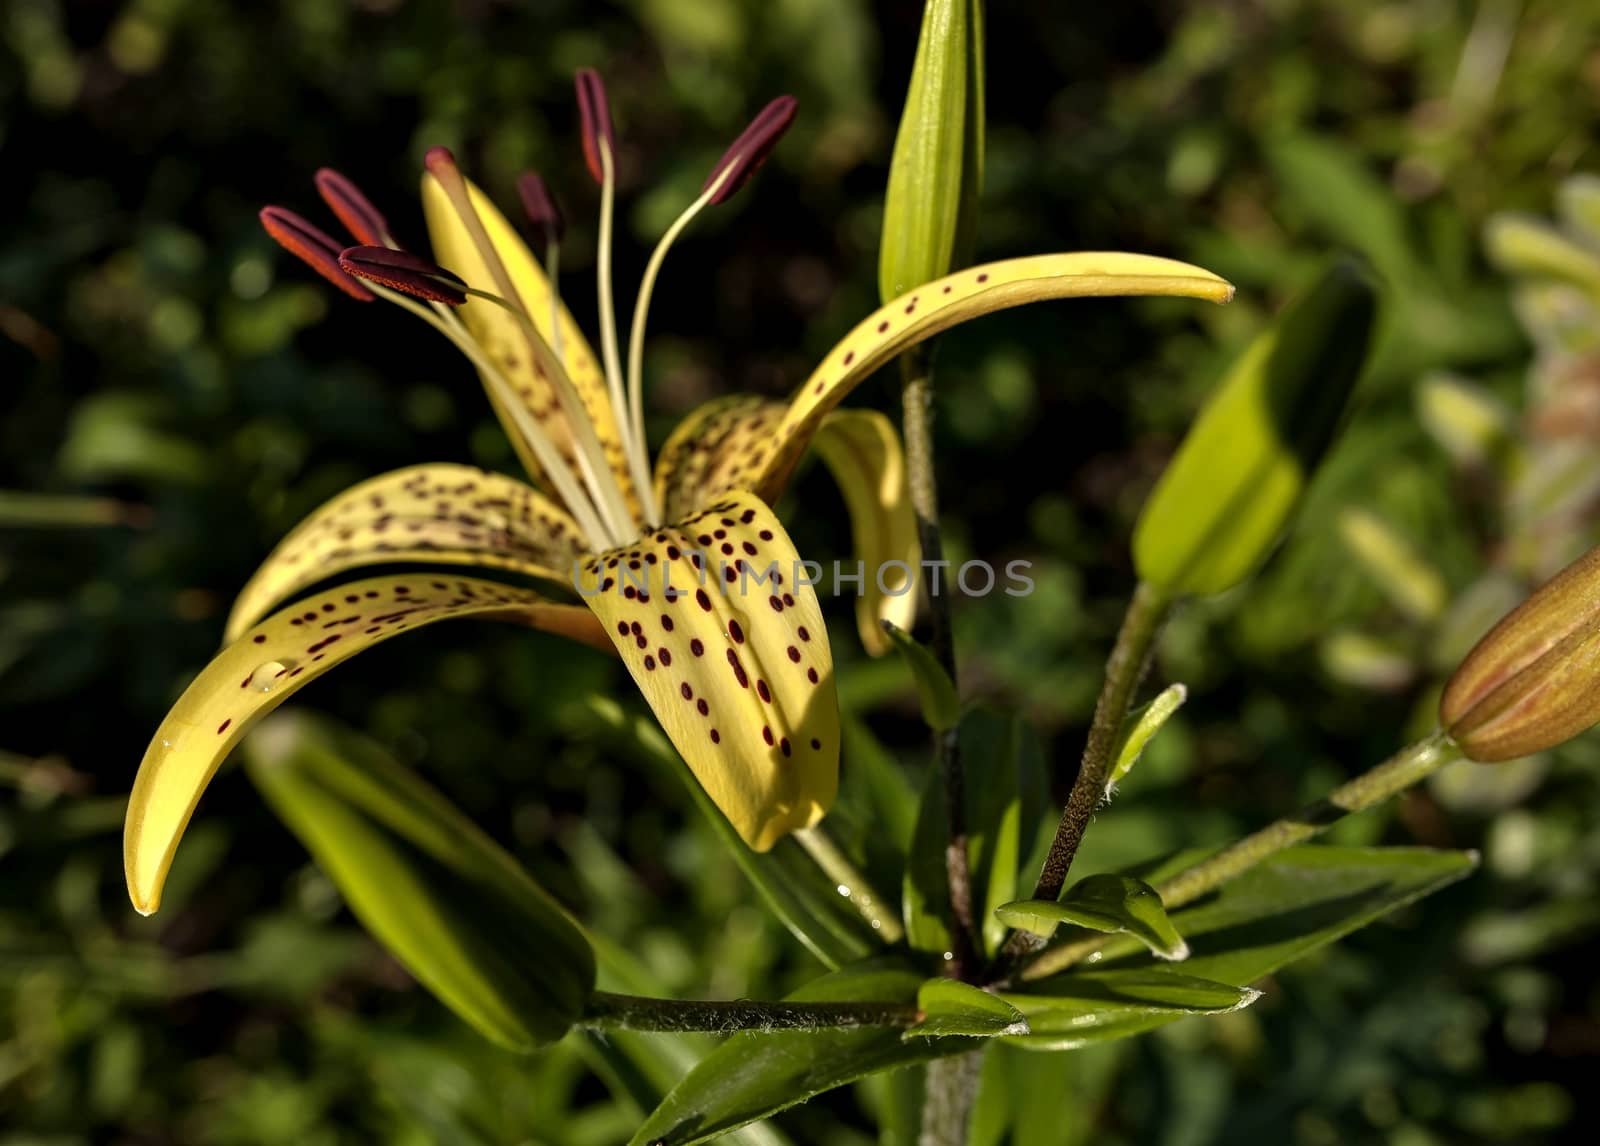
681	569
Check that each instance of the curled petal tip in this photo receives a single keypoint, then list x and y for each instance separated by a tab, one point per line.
747	153
540	206
405	272
354	209
312	246
594	116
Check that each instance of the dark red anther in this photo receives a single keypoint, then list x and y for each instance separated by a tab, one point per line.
594	115
354	209
440	161
541	207
747	153
404	272
312	247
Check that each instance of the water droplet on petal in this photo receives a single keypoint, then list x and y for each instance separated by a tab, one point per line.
268	676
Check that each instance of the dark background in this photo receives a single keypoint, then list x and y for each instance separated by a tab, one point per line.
186	392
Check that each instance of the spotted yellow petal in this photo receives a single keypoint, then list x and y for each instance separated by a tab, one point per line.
503	338
444	514
271	661
943	303
861	448
721	630
711	450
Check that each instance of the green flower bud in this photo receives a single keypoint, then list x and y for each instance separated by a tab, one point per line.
1225	499
1534	681
930	210
455	909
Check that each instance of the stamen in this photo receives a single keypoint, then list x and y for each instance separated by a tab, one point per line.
541	207
504	398
312	247
633	445
594	115
746	154
353	208
402	271
591	458
732	171
546	217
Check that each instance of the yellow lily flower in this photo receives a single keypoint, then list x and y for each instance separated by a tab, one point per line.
683	570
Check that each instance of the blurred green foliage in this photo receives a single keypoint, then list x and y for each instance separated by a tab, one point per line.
187	395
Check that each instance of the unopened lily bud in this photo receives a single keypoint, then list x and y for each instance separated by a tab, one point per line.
540	207
936	176
312	246
353	208
1534	681
405	272
746	154
594	118
1224	501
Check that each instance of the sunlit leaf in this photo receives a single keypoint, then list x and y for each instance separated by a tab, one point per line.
950	1007
1102	903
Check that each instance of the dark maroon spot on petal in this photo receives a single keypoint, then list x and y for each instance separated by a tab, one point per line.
736	632
702	599
688	693
666	622
802	633
765	535
673	552
815	743
748	516
777	605
261	638
738	669
642	641
702	707
850	357
750	548
715	737
696	647
766	734
783	745
649	663
788	599
763	691
223	727
811	675
794	654
665	655
983	278
883	326
948	289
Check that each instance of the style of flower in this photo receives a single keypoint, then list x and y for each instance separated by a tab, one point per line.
683	570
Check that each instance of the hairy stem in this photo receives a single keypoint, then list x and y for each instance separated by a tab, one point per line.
639	1013
950	1091
1124	669
916	371
1399	772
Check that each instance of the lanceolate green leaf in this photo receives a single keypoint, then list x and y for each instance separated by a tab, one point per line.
460	913
936	176
941	706
756	1074
1300	900
1080	1007
1227	496
1141	727
1103	903
950	1007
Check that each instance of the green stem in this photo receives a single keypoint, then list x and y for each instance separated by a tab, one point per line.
1399	772
638	1013
916	399
852	884
1124	669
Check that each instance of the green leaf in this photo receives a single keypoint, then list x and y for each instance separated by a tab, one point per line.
755	1074
1080	1007
1294	903
1141	726
941	706
806	901
1223	502
1103	903
1578	201
1527	246
1006	797
950	1007
1025	1097
1405	577
936	175
454	908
